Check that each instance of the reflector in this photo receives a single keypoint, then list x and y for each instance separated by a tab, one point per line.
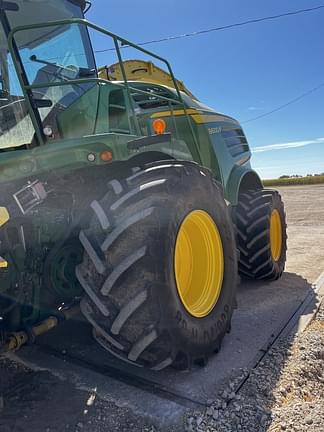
159	126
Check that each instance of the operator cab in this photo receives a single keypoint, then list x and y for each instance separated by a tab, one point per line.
58	94
46	55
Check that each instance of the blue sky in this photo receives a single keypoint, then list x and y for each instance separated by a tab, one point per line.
243	72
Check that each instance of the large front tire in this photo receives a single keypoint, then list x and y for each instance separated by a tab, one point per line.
150	300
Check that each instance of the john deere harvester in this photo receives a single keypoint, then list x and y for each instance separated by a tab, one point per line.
120	192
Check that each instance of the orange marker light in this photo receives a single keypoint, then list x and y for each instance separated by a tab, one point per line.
159	126
106	156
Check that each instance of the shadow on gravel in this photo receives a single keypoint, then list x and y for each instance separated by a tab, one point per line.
37	401
237	384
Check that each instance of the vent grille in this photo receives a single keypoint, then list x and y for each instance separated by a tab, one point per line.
236	141
152	100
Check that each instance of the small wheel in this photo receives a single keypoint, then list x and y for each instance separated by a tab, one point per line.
261	234
160	268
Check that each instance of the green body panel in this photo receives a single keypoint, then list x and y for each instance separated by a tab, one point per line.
73	153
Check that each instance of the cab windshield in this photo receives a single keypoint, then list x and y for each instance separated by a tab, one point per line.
48	54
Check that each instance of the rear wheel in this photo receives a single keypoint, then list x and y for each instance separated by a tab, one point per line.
159	268
261	234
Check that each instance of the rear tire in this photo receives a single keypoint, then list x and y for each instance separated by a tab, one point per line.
261	234
128	273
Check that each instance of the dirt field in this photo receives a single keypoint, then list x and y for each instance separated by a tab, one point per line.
37	401
305	216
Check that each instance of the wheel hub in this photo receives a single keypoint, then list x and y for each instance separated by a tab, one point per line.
62	271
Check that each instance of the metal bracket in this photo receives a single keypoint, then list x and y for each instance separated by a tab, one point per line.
3	263
30	196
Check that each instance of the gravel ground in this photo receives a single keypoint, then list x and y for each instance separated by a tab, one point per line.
284	393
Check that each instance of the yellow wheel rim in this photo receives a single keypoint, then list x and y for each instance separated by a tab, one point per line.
199	263
275	235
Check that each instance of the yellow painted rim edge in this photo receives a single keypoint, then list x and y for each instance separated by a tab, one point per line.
199	263
275	235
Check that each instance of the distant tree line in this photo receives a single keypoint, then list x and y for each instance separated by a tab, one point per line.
286	180
300	176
